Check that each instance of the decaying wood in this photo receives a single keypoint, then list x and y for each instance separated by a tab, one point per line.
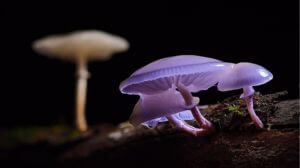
236	142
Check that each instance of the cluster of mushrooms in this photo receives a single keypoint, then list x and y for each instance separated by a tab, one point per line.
164	86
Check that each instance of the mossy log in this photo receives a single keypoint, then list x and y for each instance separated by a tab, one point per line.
235	143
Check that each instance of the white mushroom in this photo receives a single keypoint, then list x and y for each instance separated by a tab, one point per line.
81	47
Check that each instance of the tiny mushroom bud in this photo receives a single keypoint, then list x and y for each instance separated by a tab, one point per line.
81	47
245	76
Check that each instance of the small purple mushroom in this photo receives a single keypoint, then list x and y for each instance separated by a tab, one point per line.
165	87
245	76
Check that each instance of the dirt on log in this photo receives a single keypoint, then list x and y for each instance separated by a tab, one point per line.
235	143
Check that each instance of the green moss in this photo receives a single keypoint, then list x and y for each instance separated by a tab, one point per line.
235	109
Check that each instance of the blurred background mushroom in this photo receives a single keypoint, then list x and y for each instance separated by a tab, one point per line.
81	47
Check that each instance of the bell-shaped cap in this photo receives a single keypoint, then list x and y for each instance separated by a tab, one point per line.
81	45
151	107
242	75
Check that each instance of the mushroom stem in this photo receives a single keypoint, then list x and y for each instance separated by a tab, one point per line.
201	119
185	127
82	76
195	110
248	97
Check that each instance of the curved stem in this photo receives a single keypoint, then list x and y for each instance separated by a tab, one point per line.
185	127
201	119
195	110
186	94
82	76
207	126
248	97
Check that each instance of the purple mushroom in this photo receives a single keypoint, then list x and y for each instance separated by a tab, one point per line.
244	76
165	87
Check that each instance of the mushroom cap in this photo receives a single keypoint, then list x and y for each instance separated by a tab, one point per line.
194	72
166	103
81	45
243	74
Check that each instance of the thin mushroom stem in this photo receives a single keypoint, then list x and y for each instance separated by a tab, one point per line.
82	76
182	125
195	110
201	119
248	97
185	127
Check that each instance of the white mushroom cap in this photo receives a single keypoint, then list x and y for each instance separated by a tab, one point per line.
81	45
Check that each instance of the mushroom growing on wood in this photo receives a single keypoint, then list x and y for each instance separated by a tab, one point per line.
165	87
81	47
245	76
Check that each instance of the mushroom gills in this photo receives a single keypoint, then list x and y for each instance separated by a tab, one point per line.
193	82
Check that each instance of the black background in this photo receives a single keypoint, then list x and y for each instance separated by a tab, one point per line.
39	90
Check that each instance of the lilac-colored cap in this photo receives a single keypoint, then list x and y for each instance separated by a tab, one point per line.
166	103
243	74
194	72
155	83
